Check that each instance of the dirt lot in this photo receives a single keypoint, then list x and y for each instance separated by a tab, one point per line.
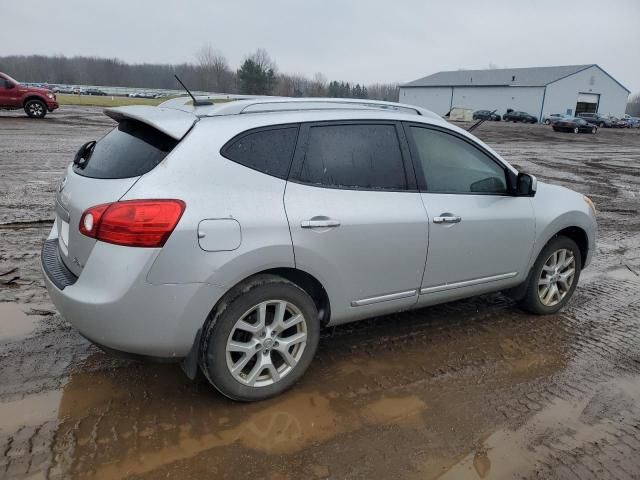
473	389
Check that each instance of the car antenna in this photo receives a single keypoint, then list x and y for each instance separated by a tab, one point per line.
480	122
196	103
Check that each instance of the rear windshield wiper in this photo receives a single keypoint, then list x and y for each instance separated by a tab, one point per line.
84	153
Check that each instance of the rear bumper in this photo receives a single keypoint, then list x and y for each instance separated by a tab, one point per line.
111	303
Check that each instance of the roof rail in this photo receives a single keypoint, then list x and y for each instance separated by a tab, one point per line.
322	104
284	104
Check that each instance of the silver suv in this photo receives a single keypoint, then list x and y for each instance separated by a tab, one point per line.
227	236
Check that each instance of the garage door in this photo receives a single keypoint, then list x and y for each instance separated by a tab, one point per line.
587	103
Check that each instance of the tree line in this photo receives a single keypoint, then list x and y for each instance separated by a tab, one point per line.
257	75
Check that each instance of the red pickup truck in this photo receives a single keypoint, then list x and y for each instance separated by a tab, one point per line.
36	102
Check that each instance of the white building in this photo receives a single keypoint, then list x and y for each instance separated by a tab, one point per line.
539	91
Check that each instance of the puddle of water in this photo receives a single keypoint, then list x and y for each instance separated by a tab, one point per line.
393	410
14	323
563	425
32	410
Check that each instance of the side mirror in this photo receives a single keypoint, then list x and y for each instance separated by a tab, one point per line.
526	185
9	85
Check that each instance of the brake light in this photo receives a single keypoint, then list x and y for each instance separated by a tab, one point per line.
133	223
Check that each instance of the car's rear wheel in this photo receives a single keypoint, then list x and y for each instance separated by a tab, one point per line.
576	130
261	339
547	122
554	277
594	130
601	125
35	108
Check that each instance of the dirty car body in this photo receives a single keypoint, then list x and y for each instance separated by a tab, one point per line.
226	236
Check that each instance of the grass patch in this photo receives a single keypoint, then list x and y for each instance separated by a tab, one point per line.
107	101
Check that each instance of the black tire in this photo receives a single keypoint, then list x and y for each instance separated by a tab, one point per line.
576	130
594	130
35	108
601	125
531	300
221	321
547	122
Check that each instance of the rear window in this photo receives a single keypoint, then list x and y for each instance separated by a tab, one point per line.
354	156
129	150
266	150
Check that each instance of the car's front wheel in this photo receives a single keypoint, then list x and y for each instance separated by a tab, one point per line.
547	122
594	130
260	340
576	130
554	277
35	108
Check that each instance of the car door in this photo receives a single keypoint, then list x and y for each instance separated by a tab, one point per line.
7	95
356	218
480	237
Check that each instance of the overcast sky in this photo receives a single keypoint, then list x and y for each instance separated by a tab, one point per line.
359	41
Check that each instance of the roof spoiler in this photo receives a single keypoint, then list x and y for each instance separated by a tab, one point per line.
174	123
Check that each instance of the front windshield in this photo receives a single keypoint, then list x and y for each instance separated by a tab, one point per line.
11	79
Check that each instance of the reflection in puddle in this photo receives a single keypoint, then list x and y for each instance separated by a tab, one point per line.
393	410
14	323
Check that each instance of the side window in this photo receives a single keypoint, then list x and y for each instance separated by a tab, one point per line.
451	165
3	83
363	156
268	151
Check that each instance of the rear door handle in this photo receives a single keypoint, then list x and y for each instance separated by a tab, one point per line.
324	223
447	218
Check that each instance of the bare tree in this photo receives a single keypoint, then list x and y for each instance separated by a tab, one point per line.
214	69
633	107
318	85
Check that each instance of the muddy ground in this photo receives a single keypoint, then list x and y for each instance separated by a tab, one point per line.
473	389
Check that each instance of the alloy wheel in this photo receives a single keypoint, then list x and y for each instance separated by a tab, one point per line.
556	277
266	343
36	109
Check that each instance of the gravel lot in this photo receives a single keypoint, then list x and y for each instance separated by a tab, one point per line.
472	389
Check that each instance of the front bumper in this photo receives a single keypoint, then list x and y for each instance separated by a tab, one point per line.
52	105
112	304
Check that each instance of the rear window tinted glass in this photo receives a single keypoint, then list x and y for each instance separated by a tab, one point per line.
129	150
354	156
268	151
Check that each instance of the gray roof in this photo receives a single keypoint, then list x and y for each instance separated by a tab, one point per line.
534	76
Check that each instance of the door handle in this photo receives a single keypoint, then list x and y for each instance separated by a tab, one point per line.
324	223
447	218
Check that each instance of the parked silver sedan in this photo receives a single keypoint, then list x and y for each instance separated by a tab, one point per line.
226	236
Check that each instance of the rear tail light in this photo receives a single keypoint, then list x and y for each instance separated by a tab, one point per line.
134	223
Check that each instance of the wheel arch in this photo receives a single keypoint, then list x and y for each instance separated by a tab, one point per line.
578	235
307	282
33	97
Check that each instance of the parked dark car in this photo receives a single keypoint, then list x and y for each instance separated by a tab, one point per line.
94	91
486	115
596	119
554	117
515	116
573	124
619	122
